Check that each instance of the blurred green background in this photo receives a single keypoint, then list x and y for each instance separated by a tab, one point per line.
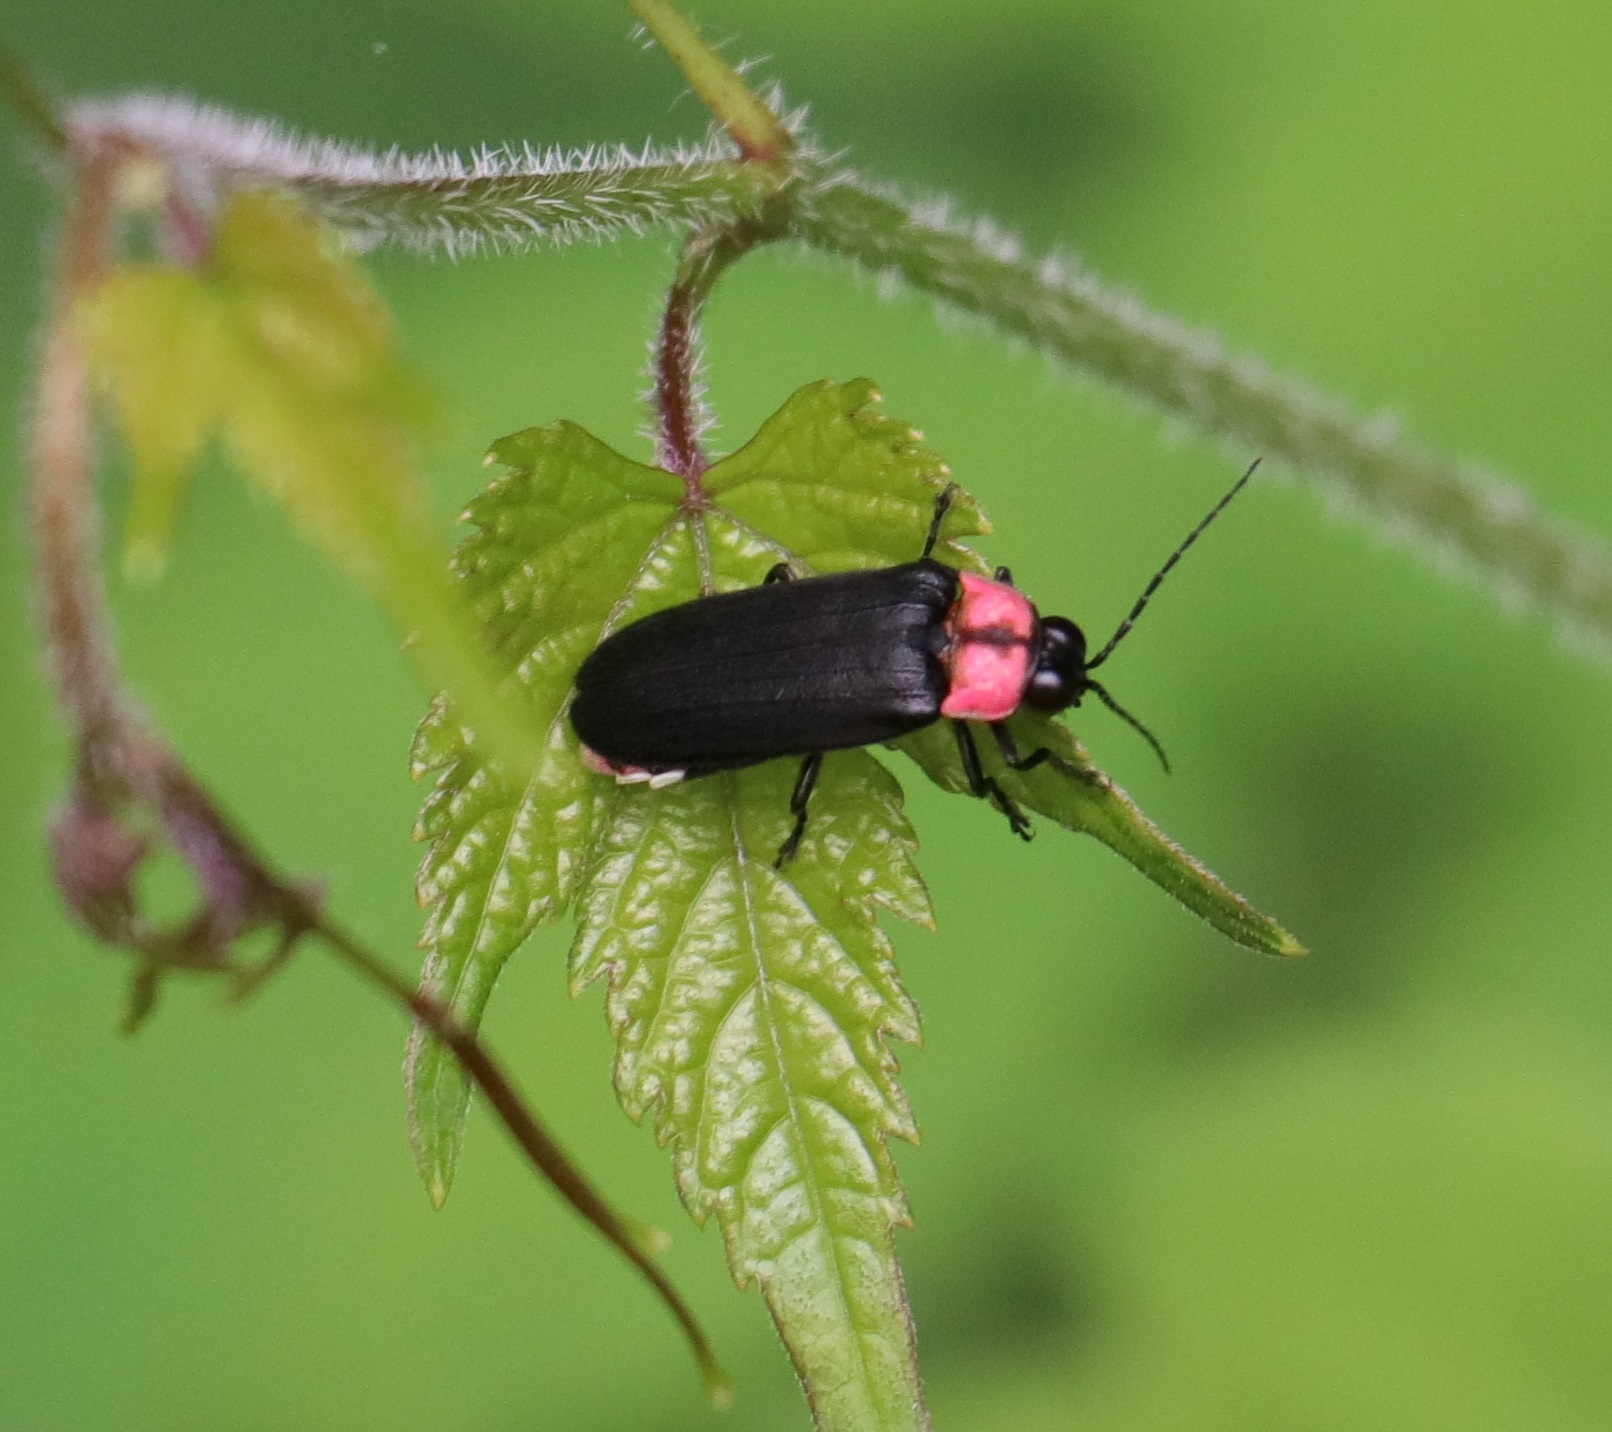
1164	1183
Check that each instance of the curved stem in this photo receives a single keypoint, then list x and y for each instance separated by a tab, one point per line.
539	1146
124	764
680	413
72	601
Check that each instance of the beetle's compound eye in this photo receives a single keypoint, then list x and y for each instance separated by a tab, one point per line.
1059	677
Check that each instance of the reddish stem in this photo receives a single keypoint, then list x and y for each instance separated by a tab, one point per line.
123	763
680	413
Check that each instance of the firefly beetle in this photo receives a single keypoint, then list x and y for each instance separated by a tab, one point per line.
804	665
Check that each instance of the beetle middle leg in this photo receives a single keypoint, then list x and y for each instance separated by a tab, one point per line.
984	786
805	783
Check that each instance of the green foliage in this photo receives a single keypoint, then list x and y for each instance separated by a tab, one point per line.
751	1007
279	350
569	529
1430	907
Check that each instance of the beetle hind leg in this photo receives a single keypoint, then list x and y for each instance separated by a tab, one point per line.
805	783
985	787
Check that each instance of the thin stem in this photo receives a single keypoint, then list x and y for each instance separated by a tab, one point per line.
72	601
503	200
758	132
33	106
538	1145
680	412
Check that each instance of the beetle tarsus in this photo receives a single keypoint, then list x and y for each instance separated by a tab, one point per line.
805	783
985	787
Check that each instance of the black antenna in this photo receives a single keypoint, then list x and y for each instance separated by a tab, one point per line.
1159	577
1131	721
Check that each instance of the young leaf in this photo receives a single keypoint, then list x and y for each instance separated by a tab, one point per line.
279	350
751	1006
849	486
1095	805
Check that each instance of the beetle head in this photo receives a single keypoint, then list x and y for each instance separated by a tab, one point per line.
1062	675
1059	679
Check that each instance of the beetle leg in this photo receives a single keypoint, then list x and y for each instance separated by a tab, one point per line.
1010	749
983	786
1017	762
780	573
805	783
942	507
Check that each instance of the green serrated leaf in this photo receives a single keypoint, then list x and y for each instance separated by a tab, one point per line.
751	1008
559	539
848	486
572	541
1094	805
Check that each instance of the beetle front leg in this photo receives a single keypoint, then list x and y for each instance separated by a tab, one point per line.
983	786
1010	750
805	783
1014	761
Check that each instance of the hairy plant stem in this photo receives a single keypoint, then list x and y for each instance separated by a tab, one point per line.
680	413
517	200
124	766
1069	314
505	200
761	136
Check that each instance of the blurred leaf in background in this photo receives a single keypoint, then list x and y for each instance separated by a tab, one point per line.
1162	1181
